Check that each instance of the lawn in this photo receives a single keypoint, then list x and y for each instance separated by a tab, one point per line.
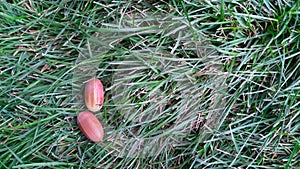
188	84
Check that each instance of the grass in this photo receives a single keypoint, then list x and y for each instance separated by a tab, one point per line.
237	108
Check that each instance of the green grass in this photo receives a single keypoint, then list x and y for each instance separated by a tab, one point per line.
245	97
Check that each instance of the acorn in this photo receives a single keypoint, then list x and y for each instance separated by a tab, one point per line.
94	95
90	126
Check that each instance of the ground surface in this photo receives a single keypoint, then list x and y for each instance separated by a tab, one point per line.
256	44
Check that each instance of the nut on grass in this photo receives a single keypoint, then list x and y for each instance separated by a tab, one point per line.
94	95
90	126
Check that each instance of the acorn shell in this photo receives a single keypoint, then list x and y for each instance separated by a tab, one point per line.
94	95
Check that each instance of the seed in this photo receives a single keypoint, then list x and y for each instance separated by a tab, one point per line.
94	95
90	126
